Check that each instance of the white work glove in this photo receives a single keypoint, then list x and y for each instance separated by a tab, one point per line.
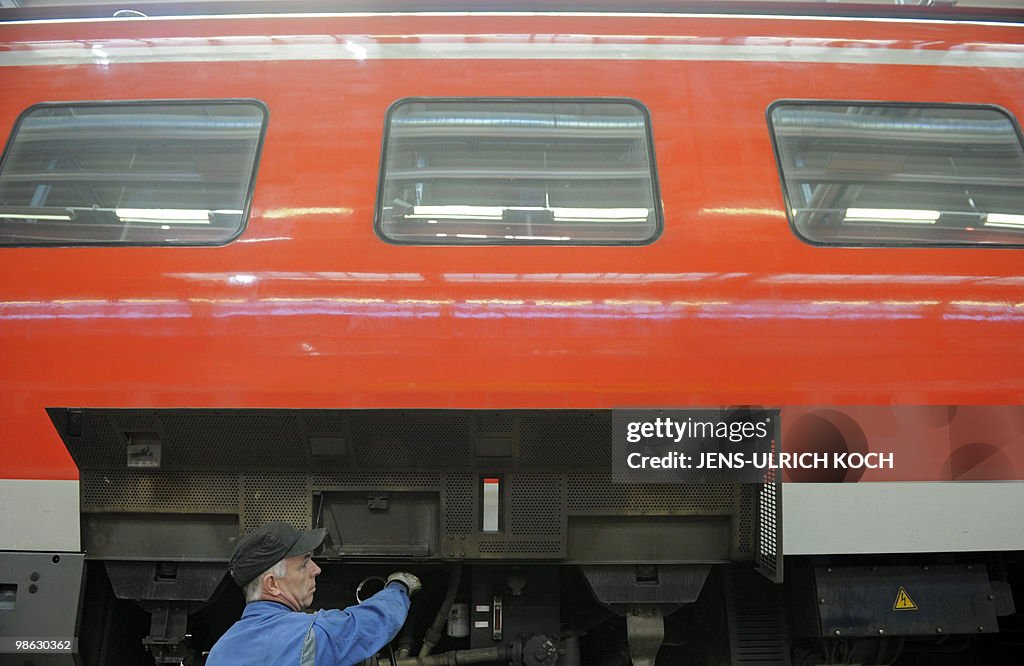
411	582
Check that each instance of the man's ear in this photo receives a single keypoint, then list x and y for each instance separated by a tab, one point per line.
269	586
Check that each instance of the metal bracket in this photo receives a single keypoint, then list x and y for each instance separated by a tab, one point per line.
645	629
168	634
377	502
668	586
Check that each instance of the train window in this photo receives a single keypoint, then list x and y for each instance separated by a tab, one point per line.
130	173
900	174
522	172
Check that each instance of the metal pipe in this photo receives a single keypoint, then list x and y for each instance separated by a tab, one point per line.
490	655
570	651
433	635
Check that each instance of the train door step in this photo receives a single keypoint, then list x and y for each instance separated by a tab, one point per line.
757	623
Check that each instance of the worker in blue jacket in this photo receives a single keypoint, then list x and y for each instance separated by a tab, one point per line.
275	569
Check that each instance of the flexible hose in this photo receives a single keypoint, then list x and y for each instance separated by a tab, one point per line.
571	654
406	639
433	635
491	655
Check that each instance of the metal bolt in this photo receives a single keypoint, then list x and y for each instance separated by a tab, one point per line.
822	600
938	630
970	567
991	597
828	570
925	568
981	628
881	631
837	632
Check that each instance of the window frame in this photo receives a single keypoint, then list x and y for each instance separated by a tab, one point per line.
659	217
252	174
881	104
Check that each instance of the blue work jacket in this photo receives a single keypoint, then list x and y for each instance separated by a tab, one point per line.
271	634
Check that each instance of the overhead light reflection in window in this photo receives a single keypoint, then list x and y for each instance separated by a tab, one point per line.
1004	220
892	215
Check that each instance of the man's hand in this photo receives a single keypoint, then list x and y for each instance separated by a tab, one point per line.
411	582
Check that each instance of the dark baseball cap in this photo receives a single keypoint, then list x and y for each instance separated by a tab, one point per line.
265	546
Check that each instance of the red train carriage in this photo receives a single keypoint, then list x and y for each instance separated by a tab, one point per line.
389	272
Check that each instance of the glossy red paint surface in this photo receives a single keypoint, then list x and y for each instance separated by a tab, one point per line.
310	309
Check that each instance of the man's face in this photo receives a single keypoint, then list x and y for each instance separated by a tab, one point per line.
296	589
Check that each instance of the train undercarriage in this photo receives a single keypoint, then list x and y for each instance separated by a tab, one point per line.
529	555
601	615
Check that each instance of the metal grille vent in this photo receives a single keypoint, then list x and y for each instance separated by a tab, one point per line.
596	492
381	480
536	504
496	422
235	439
276	497
458	513
167	492
394	439
757	624
99	445
746	531
134	422
324	421
566	441
769	544
521	547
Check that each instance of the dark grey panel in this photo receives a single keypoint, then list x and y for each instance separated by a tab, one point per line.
930	600
159	536
39	598
648	539
558	471
380	523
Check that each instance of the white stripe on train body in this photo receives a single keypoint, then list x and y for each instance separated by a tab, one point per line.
504	47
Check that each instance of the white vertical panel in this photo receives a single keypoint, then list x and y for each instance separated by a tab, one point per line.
911	517
39	515
492	504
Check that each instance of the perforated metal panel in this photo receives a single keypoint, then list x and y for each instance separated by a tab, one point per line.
148	491
769	532
495	422
566	440
377	480
459	493
521	547
746	513
284	497
325	421
401	439
99	445
590	493
257	464
235	440
536	503
131	421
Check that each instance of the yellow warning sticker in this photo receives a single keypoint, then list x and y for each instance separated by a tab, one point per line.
903	601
